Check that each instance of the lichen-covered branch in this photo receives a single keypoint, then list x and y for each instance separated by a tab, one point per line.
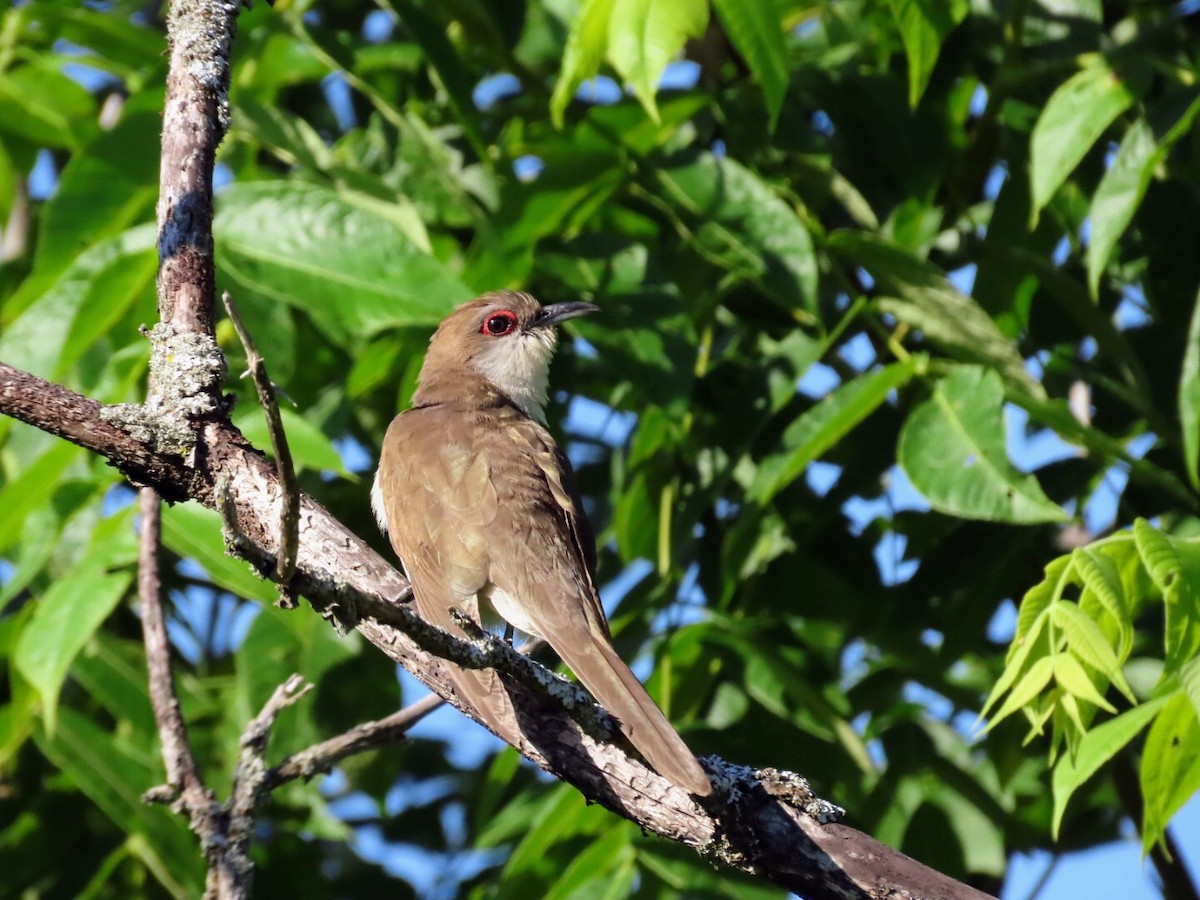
748	825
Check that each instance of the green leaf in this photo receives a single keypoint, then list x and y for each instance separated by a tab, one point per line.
1170	772
1084	636
70	611
604	870
80	307
1123	186
1039	597
114	774
1025	690
1097	747
645	35
33	488
441	54
113	672
952	447
1088	642
924	298
828	422
43	106
1101	577
1189	677
756	33
1118	196
744	226
1174	566
309	446
924	26
581	58
195	532
354	271
1071	677
1158	555
562	816
1189	399
276	646
1074	117
102	192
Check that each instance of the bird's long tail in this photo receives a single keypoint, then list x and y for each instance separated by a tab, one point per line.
618	690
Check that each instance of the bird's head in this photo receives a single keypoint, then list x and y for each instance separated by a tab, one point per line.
507	338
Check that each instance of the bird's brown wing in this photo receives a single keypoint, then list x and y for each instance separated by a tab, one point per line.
547	570
441	507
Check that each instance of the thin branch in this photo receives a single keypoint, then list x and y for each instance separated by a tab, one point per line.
393	729
250	782
182	775
289	525
320	758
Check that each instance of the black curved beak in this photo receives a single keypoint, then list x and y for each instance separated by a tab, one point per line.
552	315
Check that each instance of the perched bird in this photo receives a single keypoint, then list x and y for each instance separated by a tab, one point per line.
481	507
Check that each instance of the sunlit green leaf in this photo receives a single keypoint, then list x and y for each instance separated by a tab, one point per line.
355	272
114	774
1069	674
755	30
1170	770
1025	690
584	51
1189	400
744	226
309	446
66	616
195	532
916	292
826	423
81	305
645	35
953	449
924	25
1074	117
1098	746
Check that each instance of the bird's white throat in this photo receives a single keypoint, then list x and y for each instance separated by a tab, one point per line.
519	367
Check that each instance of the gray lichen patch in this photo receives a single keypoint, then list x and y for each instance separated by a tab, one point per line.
794	790
202	35
186	370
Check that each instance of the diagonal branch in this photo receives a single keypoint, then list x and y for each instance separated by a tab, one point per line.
747	826
320	758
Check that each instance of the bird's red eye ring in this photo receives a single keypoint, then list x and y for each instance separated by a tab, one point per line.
499	324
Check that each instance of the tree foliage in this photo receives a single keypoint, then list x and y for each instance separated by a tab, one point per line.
899	298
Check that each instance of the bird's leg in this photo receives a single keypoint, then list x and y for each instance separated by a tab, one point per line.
508	633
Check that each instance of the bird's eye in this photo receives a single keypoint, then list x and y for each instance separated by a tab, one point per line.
499	324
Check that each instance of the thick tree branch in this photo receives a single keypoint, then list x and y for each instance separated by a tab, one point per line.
746	825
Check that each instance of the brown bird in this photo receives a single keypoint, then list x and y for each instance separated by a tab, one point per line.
481	507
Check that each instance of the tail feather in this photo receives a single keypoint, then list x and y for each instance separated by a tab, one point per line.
618	690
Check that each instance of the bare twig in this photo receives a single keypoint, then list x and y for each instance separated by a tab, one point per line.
250	780
289	525
321	757
182	774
